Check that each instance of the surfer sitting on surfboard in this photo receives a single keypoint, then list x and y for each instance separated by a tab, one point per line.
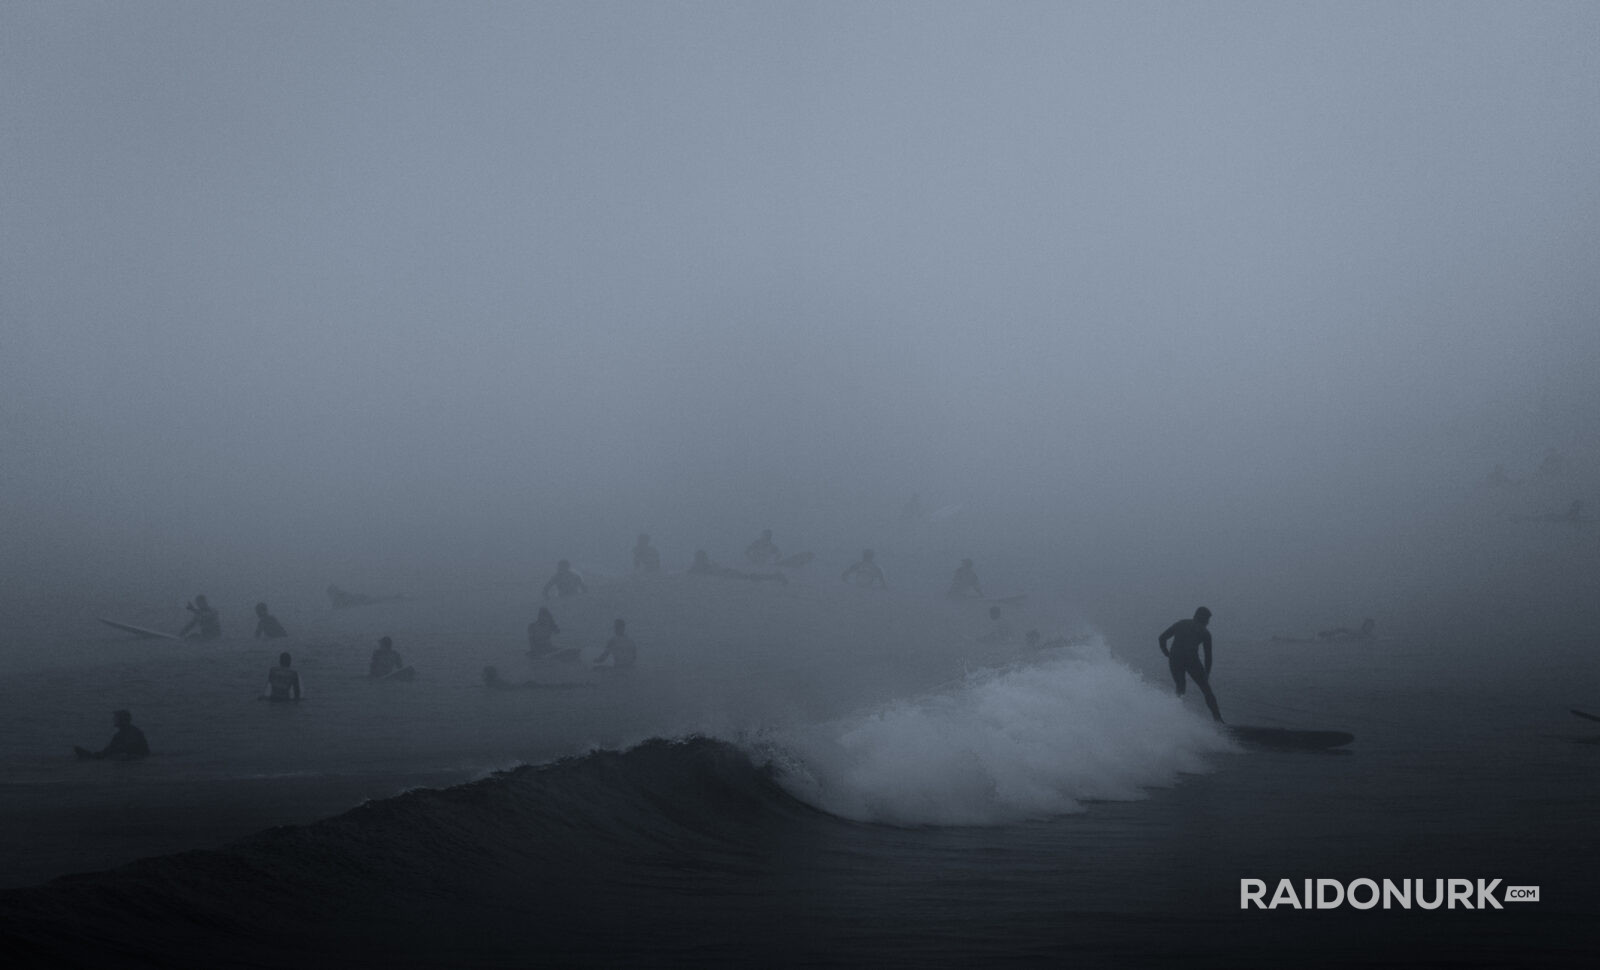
128	744
763	551
283	684
965	582
540	633
565	582
205	622
267	625
620	650
1188	638
646	558
385	660
865	572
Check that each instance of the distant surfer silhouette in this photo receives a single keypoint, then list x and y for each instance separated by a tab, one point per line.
128	744
344	599
205	623
267	625
763	551
965	582
565	582
540	633
646	558
385	660
283	683
1189	638
620	649
865	572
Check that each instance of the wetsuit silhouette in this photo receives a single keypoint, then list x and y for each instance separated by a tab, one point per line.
128	744
1188	637
205	622
267	625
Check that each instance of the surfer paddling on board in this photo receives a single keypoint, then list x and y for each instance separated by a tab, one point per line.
965	582
865	572
128	744
1184	658
205	623
385	660
267	625
565	582
283	684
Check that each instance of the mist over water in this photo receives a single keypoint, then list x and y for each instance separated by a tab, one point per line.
1289	310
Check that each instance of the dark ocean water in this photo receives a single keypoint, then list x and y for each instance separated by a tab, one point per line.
1041	810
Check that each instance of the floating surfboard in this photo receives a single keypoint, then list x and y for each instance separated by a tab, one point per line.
1288	739
1010	599
796	561
1585	714
140	631
566	655
403	674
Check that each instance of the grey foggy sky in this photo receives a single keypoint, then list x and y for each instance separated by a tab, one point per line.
289	265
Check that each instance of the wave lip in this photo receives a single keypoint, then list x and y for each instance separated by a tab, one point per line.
1004	746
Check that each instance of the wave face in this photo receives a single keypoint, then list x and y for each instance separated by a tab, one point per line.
1023	742
669	850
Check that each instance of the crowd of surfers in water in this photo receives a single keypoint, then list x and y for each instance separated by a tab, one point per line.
1186	643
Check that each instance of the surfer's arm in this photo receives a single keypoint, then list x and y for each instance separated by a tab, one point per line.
1161	641
294	686
604	654
1206	647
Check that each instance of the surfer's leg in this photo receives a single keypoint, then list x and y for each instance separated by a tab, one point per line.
1198	672
1175	665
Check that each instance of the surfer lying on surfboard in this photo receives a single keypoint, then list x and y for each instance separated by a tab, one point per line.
385	660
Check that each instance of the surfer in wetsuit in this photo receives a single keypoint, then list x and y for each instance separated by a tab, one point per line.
1184	658
205	622
385	660
865	572
964	582
646	558
283	684
565	582
128	744
763	551
540	632
267	625
620	649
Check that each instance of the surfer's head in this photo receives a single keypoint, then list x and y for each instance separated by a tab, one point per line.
563	565
121	718
618	626
283	659
866	554
1202	616
384	643
994	612
261	609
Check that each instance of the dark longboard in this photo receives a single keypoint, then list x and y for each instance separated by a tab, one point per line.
140	631
1286	739
1585	714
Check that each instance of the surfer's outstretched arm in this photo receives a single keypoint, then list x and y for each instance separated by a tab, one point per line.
1166	635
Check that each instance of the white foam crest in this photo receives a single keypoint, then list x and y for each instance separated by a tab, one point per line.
1028	741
